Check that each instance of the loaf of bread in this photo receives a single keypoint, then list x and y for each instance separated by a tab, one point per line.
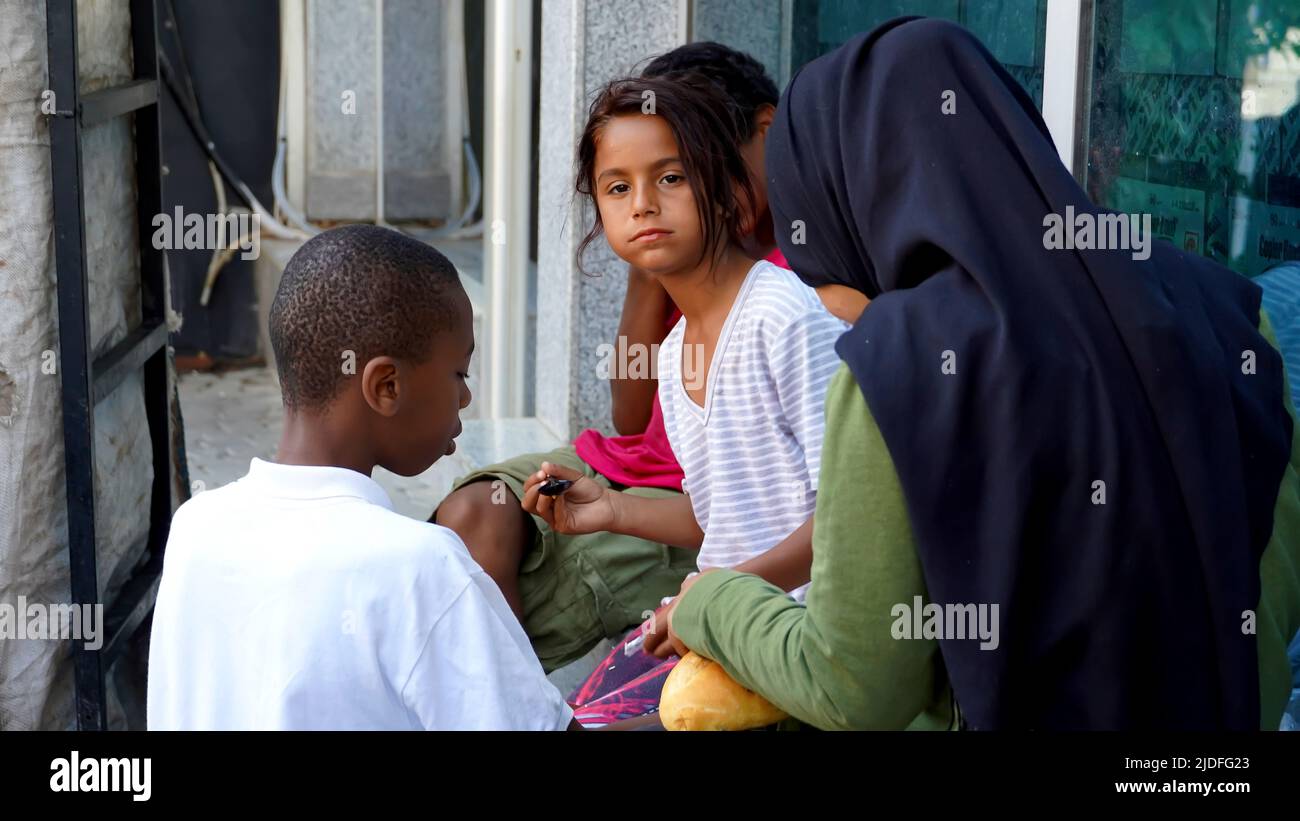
699	695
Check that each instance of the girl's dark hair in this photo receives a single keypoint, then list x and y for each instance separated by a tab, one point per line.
703	121
743	78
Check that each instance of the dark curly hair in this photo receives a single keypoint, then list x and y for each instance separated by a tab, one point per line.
741	77
359	288
708	145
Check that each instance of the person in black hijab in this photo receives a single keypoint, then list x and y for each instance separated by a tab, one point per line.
1090	440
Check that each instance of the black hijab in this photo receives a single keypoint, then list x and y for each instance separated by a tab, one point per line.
1071	368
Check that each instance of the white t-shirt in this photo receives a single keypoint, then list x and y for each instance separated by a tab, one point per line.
296	599
751	454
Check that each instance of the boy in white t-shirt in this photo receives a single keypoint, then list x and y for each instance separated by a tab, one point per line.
295	598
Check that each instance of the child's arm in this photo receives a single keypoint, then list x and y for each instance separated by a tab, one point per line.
836	663
586	507
668	521
788	564
645	308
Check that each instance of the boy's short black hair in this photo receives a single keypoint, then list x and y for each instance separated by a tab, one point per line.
742	78
359	288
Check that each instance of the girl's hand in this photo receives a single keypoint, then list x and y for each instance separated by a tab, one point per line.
655	631
672	644
585	507
664	642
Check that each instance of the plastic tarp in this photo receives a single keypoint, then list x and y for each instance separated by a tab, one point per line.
36	689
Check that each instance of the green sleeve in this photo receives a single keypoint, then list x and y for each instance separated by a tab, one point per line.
833	663
1279	575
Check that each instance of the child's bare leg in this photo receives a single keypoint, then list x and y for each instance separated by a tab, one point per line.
496	531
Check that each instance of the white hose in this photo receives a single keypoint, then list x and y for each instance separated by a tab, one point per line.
218	260
295	217
457	229
269	224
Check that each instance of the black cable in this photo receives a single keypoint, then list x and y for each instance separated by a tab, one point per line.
188	100
184	58
195	121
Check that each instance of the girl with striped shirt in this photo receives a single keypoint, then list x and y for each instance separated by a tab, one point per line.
743	374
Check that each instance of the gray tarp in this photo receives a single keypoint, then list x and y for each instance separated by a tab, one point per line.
35	675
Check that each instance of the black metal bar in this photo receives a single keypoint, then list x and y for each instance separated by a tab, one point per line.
133	603
102	106
148	163
153	282
127	357
74	346
85	384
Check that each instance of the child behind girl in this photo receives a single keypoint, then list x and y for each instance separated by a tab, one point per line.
743	374
572	590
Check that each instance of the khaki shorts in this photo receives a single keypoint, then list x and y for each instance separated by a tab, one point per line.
577	590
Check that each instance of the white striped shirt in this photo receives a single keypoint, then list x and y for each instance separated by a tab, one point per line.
760	430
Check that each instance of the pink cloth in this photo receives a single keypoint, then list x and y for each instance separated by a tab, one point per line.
638	460
641	459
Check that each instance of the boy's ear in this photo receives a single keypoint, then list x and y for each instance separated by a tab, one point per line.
381	385
763	118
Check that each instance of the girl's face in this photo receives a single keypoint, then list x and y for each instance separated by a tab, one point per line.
646	205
